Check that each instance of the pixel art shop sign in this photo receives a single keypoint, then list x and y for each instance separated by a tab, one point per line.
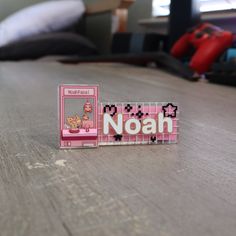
85	123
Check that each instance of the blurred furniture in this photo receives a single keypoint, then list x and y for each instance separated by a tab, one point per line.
97	23
121	13
102	6
105	17
119	9
182	17
107	5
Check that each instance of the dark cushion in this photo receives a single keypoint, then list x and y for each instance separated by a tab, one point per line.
138	42
48	45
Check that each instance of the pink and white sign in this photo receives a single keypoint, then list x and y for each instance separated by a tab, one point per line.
78	109
86	123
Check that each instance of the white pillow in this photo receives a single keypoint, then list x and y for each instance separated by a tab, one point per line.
40	18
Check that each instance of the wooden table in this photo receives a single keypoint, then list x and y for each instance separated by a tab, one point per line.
187	189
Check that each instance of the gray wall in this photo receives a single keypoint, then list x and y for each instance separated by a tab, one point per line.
98	29
7	7
141	9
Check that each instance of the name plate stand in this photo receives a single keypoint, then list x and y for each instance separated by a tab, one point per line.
86	123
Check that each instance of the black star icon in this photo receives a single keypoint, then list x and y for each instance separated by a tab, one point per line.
170	110
118	137
153	139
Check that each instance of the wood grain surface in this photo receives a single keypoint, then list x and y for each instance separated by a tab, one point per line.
187	189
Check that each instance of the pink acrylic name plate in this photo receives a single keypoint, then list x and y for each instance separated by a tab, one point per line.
86	123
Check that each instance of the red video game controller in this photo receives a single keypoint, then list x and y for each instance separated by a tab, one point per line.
209	42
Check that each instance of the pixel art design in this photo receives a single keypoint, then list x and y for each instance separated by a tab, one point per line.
86	123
